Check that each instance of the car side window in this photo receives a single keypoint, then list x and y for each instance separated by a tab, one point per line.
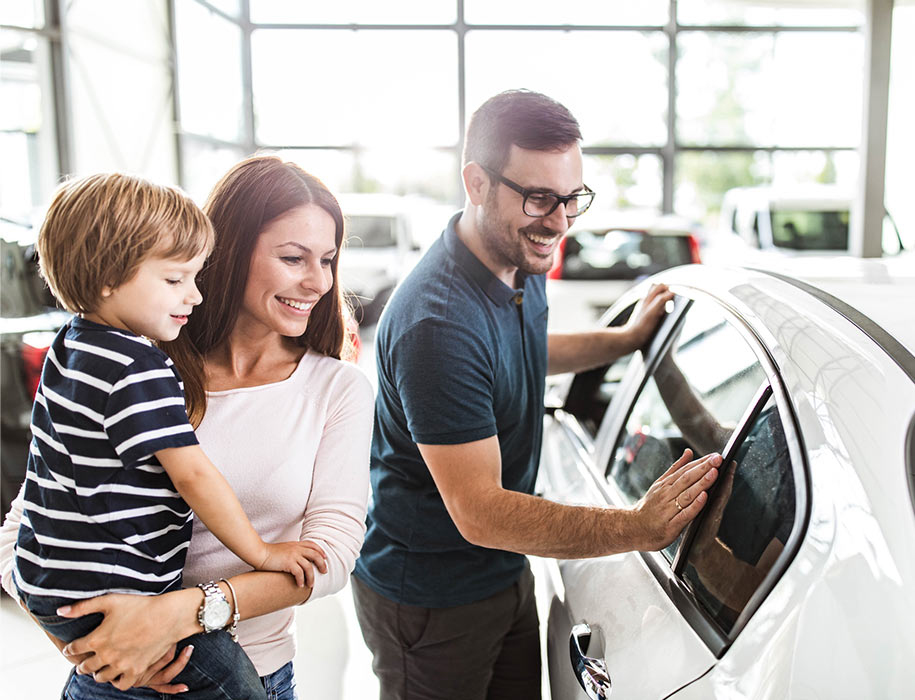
746	524
694	398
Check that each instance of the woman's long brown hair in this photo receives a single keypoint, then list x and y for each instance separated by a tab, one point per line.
252	194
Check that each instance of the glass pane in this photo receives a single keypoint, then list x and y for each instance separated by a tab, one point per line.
746	525
22	13
378	91
354	11
763	13
28	168
431	173
230	7
614	105
791	89
900	143
702	178
624	182
583	12
334	168
694	399
204	164
210	100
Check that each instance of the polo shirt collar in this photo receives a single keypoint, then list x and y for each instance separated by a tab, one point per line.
497	291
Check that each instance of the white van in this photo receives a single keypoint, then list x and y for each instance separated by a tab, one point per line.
796	220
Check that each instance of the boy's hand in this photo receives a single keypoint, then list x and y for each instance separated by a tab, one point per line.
297	559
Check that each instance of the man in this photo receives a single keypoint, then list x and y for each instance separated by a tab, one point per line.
443	592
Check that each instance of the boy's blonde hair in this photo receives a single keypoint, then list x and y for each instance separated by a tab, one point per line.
99	229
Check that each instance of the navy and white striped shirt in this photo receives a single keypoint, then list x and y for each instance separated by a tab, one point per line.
101	515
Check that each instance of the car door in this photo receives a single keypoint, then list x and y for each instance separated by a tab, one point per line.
653	623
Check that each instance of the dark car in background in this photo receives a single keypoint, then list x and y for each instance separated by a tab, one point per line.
28	323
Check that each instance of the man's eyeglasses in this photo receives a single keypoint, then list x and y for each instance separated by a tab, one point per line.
539	204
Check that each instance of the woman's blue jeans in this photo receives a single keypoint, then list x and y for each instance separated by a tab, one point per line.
219	669
279	685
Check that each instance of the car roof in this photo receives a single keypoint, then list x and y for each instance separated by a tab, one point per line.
883	289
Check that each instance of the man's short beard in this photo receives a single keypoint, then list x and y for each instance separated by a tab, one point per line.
503	243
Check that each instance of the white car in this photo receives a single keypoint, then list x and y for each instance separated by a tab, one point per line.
380	250
798	580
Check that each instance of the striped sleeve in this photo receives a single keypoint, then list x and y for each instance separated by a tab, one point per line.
145	411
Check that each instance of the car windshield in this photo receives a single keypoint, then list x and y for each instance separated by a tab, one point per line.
810	230
621	254
365	231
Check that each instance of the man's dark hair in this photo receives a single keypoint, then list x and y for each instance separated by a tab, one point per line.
524	118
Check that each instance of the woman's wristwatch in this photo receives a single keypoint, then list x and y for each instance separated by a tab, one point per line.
215	611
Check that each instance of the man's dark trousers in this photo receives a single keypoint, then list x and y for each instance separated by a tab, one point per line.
487	650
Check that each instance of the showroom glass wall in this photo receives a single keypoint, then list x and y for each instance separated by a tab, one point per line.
85	86
678	101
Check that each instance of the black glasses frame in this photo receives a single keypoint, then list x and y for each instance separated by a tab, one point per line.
560	199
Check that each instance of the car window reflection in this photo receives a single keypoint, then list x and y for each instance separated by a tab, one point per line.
746	525
693	399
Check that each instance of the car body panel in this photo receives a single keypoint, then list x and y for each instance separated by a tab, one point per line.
636	623
839	620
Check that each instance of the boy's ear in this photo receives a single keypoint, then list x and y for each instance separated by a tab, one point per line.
106	292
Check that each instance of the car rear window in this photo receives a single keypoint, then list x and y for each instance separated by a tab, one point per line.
621	254
810	230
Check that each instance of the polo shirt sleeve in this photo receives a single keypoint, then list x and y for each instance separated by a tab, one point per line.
145	411
444	375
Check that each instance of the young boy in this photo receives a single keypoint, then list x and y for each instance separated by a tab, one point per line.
114	466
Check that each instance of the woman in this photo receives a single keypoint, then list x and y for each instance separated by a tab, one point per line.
283	418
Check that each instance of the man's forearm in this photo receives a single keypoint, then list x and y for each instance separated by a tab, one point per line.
517	522
577	352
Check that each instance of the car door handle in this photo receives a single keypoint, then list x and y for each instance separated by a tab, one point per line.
591	673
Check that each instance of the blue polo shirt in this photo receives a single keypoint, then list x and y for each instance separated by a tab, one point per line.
461	357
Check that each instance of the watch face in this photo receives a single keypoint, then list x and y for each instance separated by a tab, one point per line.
217	613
